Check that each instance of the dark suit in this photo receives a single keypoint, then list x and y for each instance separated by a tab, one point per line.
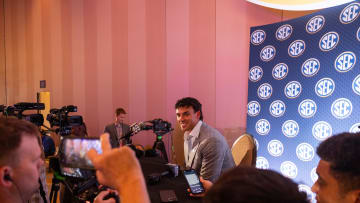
111	129
210	155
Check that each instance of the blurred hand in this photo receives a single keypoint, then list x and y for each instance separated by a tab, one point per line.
115	167
206	184
100	197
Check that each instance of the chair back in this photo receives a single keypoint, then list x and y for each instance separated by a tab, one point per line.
244	150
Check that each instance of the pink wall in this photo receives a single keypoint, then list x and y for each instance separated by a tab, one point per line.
138	54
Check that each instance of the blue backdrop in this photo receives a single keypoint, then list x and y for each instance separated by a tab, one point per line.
304	86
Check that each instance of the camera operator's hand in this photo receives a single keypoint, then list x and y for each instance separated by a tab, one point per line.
100	197
120	169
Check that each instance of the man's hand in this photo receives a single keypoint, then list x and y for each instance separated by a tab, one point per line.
100	197
206	184
115	167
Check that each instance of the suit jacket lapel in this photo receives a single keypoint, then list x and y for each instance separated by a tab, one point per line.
194	149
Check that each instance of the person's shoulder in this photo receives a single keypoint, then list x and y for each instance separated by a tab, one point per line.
205	128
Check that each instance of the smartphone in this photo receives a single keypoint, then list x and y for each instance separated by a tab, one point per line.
73	152
193	181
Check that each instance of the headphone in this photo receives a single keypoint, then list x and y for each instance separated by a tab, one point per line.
7	177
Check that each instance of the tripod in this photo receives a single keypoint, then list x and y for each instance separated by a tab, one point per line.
55	186
159	145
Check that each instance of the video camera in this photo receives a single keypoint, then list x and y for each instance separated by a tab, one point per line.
18	109
158	126
61	119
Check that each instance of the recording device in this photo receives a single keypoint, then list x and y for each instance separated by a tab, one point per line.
18	109
193	181
73	152
61	119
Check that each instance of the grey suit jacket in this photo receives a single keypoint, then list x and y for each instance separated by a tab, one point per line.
210	155
111	129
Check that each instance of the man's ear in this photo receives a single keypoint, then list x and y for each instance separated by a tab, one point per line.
5	176
197	115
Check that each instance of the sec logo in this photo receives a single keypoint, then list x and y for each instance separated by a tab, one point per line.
289	169
265	91
341	108
262	163
307	190
307	108
355	128
356	85
305	152
277	108
255	74
345	61
258	37
314	175
290	128
296	48
283	32
267	53
324	87
280	71
329	41
262	127
321	130
275	148
310	67
349	13
315	24
358	34
292	89
253	108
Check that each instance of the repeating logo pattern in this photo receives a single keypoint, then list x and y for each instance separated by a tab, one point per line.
290	128
341	108
275	148
262	127
280	71
345	61
277	108
296	48
310	67
253	108
305	152
325	87
349	13
321	130
313	92
289	169
284	32
356	85
307	108
315	24
268	53
255	73
265	91
292	89
258	37
329	41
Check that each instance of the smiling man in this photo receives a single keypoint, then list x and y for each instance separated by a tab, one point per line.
205	149
339	170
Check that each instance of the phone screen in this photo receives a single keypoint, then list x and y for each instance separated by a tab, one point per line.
74	150
193	180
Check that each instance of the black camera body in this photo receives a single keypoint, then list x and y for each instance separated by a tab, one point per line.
61	119
18	109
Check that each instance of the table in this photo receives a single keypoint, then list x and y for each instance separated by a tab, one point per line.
151	165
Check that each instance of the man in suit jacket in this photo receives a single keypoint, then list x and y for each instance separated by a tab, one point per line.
117	129
205	149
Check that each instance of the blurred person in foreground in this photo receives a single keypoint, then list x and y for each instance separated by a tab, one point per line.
338	169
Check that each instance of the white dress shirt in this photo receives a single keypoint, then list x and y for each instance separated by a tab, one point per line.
189	138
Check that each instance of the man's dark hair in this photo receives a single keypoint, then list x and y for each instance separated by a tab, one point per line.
249	184
190	102
119	111
11	132
342	151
